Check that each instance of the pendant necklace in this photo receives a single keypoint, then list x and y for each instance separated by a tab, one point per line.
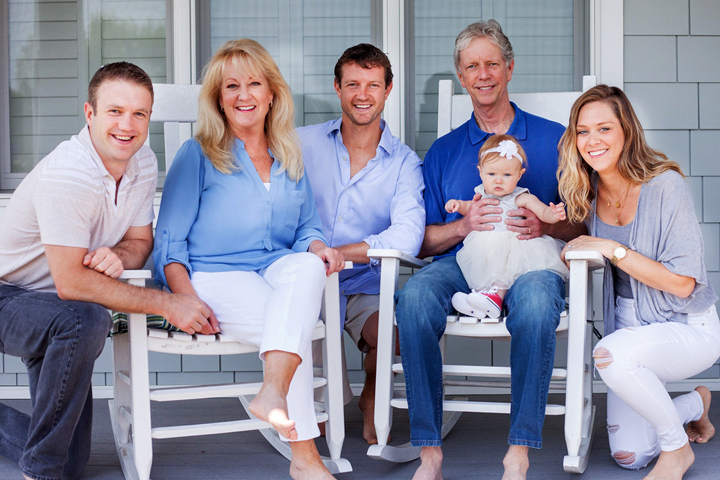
616	203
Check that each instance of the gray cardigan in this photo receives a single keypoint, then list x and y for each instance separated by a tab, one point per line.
665	229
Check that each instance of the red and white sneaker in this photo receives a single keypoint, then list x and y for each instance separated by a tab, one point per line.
486	301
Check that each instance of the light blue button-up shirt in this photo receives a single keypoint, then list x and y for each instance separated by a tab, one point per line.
381	205
214	222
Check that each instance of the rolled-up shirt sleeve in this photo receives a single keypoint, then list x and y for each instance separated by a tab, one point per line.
309	226
178	211
407	212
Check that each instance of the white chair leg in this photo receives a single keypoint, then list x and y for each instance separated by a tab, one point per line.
332	368
140	388
579	412
121	389
385	352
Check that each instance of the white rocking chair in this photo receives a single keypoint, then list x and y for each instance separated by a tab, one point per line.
130	409
453	110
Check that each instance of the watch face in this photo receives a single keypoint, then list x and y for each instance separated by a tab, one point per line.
620	252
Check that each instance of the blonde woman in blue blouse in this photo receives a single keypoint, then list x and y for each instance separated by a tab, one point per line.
661	324
238	228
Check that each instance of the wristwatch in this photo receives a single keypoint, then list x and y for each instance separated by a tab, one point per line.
618	254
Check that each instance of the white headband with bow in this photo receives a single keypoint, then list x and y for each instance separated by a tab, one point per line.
507	149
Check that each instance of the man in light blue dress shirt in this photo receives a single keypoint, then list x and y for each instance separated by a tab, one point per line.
368	188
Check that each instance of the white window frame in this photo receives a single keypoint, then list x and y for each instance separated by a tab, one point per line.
4	95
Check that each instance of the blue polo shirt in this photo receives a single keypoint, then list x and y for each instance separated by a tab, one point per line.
450	167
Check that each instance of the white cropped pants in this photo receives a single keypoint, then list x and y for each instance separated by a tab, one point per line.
642	419
276	309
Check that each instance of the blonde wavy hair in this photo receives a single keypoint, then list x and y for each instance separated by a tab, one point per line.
638	162
213	132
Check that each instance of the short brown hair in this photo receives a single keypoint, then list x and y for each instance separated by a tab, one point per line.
118	71
365	56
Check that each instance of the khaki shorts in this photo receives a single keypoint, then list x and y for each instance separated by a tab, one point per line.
359	308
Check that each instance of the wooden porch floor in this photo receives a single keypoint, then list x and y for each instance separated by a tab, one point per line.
473	450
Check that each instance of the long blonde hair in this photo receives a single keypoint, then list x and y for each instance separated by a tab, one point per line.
213	132
638	162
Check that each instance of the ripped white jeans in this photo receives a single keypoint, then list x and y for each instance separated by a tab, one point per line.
635	362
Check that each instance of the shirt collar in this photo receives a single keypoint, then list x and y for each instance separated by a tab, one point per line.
518	128
386	138
132	169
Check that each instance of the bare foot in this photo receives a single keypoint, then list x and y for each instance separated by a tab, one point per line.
270	406
516	463
367	406
700	431
672	465
430	464
306	463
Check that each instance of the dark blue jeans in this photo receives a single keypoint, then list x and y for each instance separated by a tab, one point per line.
534	303
58	341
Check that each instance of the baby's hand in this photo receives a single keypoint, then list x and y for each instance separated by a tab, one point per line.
558	210
452	206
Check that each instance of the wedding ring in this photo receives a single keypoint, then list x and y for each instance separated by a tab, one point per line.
569	246
529	230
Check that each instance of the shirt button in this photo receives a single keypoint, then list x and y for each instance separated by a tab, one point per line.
339	219
345	158
267	203
267	227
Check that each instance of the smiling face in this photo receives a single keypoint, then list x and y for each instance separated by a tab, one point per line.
500	175
119	124
245	99
600	137
362	93
484	73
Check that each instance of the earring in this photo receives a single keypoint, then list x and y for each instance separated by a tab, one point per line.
270	104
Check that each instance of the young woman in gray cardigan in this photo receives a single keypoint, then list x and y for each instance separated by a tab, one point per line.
661	324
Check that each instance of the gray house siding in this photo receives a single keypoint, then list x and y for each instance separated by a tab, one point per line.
672	77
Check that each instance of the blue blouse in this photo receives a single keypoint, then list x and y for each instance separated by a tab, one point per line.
214	222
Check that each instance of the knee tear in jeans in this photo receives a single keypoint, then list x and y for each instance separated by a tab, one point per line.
624	458
602	357
613	428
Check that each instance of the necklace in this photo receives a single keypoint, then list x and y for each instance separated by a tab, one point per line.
616	203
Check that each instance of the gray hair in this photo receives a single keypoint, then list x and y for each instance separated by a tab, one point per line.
491	30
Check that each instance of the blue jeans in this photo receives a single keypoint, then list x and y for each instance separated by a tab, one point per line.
534	303
58	341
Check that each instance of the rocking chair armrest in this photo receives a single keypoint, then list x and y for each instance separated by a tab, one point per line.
135	274
404	259
595	260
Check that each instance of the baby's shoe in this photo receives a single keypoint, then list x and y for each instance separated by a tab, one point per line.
460	303
487	302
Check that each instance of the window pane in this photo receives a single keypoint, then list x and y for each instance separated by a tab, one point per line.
542	33
305	38
44	83
133	31
54	48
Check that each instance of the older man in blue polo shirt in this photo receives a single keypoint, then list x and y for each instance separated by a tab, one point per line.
368	189
484	62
